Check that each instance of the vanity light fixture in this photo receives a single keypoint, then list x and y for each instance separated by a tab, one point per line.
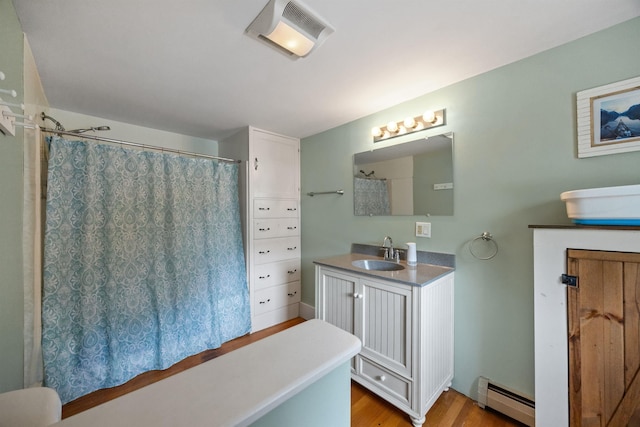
428	120
290	27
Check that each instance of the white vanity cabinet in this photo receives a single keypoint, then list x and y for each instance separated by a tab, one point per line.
406	333
270	202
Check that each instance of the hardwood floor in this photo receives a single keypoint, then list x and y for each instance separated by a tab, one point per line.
452	409
367	410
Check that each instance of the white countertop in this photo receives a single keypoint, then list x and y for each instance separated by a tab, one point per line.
234	389
418	275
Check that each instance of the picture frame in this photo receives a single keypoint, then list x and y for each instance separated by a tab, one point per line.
609	119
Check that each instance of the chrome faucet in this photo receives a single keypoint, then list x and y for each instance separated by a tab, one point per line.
388	250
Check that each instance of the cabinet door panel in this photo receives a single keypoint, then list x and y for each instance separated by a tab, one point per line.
603	337
336	299
275	167
386	334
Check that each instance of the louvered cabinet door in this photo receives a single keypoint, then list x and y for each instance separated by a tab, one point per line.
604	340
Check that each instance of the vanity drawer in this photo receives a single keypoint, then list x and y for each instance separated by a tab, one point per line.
278	227
277	273
271	208
385	380
273	250
276	297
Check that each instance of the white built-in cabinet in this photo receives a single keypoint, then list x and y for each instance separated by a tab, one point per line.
270	202
406	333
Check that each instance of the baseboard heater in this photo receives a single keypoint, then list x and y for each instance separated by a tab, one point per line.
508	402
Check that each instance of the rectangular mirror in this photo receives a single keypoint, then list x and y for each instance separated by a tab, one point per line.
412	178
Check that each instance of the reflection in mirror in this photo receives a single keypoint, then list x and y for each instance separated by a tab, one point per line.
413	178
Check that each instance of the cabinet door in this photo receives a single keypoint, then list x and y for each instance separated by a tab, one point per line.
386	324
335	298
604	343
274	165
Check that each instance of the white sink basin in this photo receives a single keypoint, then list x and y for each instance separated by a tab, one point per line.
377	265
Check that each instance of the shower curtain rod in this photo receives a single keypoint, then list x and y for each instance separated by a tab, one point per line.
139	145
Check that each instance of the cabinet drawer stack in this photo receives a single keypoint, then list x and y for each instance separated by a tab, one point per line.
276	261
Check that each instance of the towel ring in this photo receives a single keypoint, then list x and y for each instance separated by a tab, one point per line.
485	237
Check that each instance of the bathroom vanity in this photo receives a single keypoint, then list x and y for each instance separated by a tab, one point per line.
404	319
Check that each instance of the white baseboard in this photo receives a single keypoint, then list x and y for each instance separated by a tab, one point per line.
307	311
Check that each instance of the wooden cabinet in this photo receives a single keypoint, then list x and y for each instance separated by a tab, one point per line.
587	354
270	202
604	340
406	333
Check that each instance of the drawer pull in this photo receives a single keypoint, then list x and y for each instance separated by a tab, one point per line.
264	229
263	252
292	271
291	228
292	209
264	302
382	378
264	209
357	295
292	249
264	277
292	294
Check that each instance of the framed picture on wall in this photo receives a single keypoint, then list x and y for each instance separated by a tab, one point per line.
609	119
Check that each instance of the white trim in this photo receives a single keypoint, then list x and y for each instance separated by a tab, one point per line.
307	311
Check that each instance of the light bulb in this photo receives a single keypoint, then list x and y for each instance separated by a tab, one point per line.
376	131
392	126
429	116
409	122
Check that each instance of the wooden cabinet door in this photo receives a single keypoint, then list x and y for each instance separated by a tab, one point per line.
604	341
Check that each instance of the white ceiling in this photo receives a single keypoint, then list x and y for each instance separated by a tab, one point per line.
187	67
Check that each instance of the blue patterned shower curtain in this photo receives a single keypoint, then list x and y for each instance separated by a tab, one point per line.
371	196
143	263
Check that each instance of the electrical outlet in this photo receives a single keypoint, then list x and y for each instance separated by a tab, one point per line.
423	229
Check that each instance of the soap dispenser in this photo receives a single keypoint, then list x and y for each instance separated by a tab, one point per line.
412	258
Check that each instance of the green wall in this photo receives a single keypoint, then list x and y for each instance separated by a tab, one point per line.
514	153
11	293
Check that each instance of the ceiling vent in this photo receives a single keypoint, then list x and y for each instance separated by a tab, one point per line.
290	27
